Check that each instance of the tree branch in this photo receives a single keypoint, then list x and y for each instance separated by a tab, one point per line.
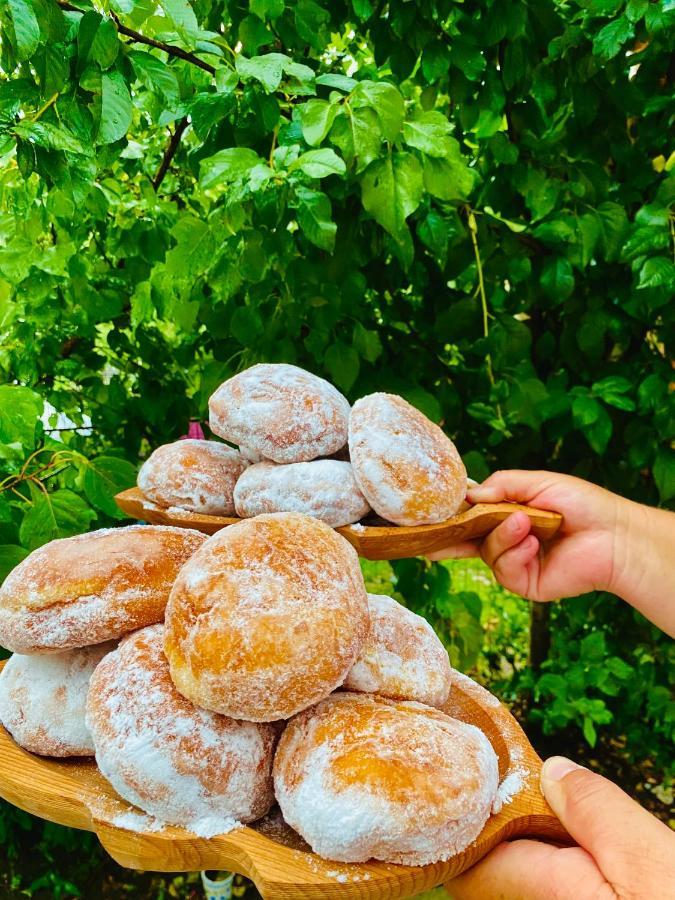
170	152
139	38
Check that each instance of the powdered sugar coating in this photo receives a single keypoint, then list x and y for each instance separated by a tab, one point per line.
362	776
191	474
323	488
93	587
407	468
402	657
43	699
183	765
266	618
283	412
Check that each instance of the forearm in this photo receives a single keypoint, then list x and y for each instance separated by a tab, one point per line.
644	562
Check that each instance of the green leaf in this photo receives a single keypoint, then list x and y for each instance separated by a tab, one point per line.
430	133
20	409
227	166
267	69
10	557
447	179
385	100
664	473
658	271
613	384
182	15
613	226
315	217
643	240
266	9
589	731
102	478
195	246
367	343
207	110
342	363
26	27
585	410
557	278
316	119
54	515
599	433
358	136
156	75
105	46
44	134
610	39
589	234
391	189
319	163
337	81
434	233
635	10
116	108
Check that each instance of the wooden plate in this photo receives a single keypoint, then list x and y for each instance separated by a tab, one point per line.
74	793
372	541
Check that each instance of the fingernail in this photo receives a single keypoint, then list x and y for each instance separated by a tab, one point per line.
556	767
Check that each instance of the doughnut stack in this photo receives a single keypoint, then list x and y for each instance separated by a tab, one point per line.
302	449
212	676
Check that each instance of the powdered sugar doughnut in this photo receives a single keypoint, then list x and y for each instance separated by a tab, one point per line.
282	412
43	700
362	776
184	765
266	618
323	488
402	657
407	468
92	587
191	474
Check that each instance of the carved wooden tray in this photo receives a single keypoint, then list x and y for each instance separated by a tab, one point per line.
73	792
372	541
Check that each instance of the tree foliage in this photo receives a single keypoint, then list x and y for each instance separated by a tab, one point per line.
468	203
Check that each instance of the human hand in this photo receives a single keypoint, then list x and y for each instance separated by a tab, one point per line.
624	852
581	558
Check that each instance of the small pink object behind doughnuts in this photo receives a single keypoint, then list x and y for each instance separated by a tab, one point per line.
407	468
283	412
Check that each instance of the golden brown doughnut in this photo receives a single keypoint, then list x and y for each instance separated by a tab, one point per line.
323	488
360	776
266	618
92	587
407	468
43	700
402	657
182	764
282	412
191	474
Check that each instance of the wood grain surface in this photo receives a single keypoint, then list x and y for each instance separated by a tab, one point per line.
372	541
74	793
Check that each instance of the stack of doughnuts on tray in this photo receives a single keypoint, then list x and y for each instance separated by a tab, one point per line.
210	677
302	449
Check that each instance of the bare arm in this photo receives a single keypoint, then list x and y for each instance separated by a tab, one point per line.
605	543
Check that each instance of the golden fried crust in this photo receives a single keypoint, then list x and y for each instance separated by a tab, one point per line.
407	468
93	587
267	618
361	776
191	474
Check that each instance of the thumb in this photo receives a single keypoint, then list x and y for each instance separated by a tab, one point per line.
606	822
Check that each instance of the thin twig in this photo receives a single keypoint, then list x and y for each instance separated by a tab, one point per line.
139	38
45	107
170	152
